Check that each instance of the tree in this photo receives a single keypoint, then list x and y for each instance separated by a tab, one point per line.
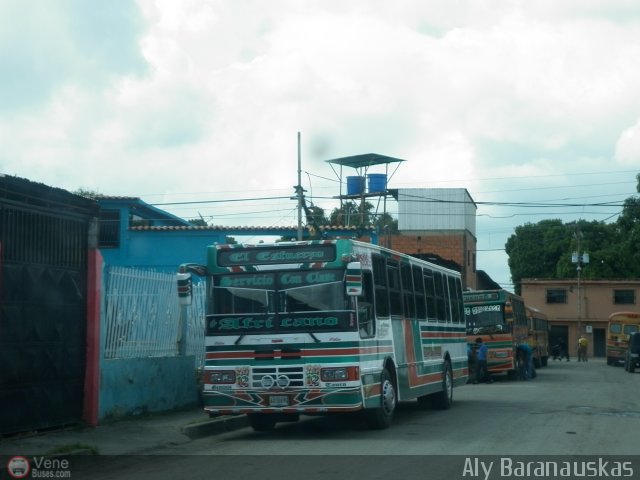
535	249
351	214
385	223
198	222
83	192
628	228
544	249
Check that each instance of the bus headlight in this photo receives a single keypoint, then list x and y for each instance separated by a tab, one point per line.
338	374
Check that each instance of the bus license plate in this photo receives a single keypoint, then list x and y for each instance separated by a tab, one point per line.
278	401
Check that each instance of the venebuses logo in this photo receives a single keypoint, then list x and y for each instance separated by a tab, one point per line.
18	467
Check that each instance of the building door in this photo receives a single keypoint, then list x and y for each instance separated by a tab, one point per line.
599	342
558	334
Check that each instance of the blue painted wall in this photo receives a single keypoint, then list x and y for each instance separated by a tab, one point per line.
134	386
161	250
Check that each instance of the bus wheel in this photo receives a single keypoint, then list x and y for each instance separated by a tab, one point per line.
261	422
444	399
381	417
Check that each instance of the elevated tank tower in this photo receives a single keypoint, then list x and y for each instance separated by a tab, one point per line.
363	183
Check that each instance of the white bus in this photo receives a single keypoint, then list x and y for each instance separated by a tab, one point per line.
327	326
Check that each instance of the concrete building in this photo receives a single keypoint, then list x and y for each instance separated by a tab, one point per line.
573	310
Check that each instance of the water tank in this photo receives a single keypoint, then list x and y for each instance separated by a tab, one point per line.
377	182
355	185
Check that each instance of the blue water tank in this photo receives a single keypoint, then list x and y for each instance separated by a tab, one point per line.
377	182
355	185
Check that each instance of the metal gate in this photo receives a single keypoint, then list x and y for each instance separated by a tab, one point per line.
43	314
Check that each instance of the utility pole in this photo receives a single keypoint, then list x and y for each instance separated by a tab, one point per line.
299	191
580	259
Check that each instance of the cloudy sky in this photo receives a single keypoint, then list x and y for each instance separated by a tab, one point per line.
519	102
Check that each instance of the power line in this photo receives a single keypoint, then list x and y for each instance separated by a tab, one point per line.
221	201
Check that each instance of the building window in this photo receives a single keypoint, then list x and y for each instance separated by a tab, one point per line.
556	295
624	297
109	229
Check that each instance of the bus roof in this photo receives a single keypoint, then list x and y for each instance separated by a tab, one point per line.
482	296
621	316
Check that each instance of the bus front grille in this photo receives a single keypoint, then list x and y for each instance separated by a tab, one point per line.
277	378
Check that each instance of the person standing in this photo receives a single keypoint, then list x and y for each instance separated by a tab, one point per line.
564	351
471	357
482	372
583	344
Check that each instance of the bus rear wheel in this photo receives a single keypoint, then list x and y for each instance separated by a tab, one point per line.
444	398
381	417
261	422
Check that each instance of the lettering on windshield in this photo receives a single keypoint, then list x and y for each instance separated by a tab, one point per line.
247	281
482	309
250	324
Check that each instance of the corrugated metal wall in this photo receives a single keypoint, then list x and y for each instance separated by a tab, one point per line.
429	209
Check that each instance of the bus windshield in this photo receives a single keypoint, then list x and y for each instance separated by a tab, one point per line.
285	301
485	319
312	298
627	329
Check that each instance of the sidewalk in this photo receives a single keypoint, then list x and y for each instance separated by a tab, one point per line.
137	435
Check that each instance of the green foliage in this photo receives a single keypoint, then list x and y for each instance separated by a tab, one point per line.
318	216
198	222
83	192
385	223
351	214
544	249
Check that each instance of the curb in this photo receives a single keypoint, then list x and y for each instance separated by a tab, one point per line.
216	425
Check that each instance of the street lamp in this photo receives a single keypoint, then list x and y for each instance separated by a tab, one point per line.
580	259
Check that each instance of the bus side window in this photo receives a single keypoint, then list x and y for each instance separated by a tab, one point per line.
454	294
408	293
430	293
395	288
418	285
441	313
380	282
366	315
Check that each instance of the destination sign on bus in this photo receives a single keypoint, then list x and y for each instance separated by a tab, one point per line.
276	255
289	323
481	309
480	297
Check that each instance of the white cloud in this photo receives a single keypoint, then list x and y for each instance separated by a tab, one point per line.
511	100
628	146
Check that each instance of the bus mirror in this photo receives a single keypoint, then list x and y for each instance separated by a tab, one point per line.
184	288
354	279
